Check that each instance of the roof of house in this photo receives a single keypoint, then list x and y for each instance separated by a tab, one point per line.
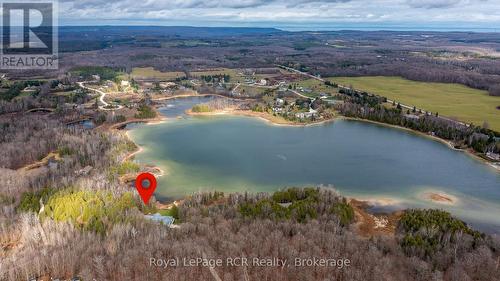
166	220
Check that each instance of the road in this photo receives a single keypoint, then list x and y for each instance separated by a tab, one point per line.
300	72
233	92
299	94
347	88
102	94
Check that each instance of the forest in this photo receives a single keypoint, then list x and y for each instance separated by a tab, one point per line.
63	242
450	57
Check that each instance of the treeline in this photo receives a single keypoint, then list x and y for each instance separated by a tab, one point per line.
225	78
366	106
105	73
145	112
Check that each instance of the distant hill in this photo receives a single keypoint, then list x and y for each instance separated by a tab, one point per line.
177	31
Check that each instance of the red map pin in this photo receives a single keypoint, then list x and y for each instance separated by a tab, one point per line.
146	185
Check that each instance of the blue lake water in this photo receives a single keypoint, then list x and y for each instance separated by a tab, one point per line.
392	167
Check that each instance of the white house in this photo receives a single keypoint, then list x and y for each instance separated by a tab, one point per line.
125	83
166	220
493	156
309	114
277	109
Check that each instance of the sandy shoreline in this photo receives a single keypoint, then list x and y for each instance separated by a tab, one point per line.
273	120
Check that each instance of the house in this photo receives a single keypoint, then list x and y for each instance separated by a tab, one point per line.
300	115
277	109
96	78
165	85
263	82
61	87
280	102
493	156
309	114
166	220
125	83
412	116
323	96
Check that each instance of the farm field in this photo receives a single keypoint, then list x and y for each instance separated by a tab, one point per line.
139	73
451	100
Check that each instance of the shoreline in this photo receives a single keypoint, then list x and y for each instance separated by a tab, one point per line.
157	120
272	121
369	223
266	117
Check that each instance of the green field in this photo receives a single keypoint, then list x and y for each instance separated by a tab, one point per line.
451	100
139	73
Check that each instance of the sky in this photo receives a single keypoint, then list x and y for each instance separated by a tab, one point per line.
289	14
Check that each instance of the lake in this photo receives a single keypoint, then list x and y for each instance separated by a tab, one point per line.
391	167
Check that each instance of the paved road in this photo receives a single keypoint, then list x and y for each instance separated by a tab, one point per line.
101	97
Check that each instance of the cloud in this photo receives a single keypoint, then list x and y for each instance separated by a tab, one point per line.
285	11
190	4
431	4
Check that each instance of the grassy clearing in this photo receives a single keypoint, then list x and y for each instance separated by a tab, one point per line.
139	73
251	91
451	100
89	209
317	87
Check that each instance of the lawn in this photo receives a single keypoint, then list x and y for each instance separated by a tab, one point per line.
139	73
251	91
451	100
